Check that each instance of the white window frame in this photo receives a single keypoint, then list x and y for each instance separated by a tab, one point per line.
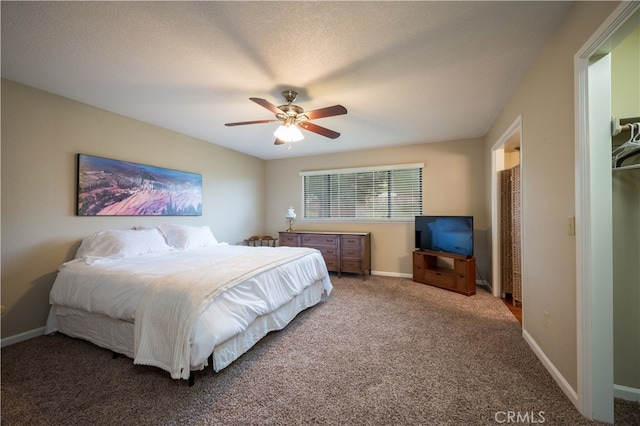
384	168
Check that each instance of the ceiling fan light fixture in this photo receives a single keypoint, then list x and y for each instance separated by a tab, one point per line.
288	133
293	117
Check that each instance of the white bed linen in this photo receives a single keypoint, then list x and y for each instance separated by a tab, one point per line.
113	289
117	335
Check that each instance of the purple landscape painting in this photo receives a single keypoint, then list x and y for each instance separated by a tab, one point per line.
109	187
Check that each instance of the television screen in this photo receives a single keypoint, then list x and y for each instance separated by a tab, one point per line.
449	234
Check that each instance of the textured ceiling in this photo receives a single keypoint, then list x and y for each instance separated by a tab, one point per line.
407	72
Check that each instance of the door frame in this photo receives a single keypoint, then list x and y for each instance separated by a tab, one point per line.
594	266
497	165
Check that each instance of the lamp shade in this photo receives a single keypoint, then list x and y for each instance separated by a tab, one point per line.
288	133
291	213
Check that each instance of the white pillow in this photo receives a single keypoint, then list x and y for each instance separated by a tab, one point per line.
117	244
185	237
84	247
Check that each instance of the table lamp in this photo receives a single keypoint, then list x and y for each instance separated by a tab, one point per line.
291	215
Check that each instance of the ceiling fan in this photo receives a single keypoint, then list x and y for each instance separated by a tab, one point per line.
293	118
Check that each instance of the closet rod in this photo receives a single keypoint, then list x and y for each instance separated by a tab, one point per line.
629	167
617	128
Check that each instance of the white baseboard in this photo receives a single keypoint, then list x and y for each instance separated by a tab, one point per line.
626	393
21	337
559	378
619	391
391	274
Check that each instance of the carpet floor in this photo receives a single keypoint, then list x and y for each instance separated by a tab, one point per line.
377	352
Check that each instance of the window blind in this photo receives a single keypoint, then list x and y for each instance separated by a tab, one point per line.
373	193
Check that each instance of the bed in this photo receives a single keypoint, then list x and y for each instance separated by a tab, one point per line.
175	298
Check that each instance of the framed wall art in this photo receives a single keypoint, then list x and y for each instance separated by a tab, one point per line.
108	187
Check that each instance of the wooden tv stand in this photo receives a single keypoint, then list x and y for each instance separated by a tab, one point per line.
462	278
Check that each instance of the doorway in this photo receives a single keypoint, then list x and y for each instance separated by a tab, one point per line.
507	220
594	251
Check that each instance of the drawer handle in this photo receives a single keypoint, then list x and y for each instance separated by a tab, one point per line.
351	241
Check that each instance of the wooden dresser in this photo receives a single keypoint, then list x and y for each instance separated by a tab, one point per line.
342	251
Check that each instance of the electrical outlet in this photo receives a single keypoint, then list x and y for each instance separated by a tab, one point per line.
546	319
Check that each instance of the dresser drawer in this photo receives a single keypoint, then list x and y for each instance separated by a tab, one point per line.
328	252
351	253
351	242
440	279
351	265
309	240
290	240
332	264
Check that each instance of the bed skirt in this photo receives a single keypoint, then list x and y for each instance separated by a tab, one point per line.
117	335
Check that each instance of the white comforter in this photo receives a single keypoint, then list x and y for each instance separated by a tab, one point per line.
114	288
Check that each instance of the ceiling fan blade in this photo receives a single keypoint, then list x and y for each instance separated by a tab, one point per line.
279	142
326	112
266	104
319	130
242	123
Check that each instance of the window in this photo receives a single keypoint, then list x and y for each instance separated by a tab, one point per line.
371	194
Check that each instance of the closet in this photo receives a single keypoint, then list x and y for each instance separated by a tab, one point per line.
626	149
625	161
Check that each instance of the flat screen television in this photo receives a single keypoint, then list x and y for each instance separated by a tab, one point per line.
449	234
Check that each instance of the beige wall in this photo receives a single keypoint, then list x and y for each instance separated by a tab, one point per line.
452	185
511	159
545	99
625	83
625	102
41	135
